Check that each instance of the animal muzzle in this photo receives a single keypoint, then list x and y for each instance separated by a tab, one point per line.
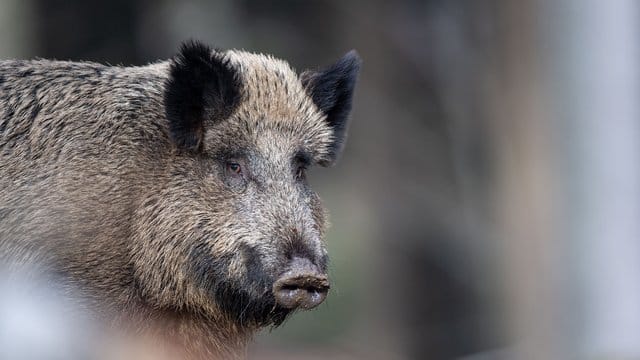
303	285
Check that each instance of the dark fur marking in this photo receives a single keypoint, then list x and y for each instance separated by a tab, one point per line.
332	91
4	121
35	110
255	267
25	73
9	112
201	85
247	301
302	158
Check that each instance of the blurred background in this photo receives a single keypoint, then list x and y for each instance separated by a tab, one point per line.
487	205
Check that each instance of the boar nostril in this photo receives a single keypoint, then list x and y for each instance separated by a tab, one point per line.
302	286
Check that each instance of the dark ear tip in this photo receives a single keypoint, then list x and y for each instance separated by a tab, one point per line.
354	56
193	51
351	60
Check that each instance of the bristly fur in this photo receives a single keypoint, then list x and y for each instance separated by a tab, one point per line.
332	91
201	85
93	189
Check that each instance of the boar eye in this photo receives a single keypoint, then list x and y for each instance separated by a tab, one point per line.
234	168
235	173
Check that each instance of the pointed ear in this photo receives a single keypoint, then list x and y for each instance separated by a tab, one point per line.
332	90
201	86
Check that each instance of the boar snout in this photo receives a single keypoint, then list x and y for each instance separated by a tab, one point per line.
301	286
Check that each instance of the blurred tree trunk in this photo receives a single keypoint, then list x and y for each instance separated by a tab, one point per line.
17	40
525	187
566	128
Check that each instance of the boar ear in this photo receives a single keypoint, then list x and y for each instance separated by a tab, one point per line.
201	86
332	90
